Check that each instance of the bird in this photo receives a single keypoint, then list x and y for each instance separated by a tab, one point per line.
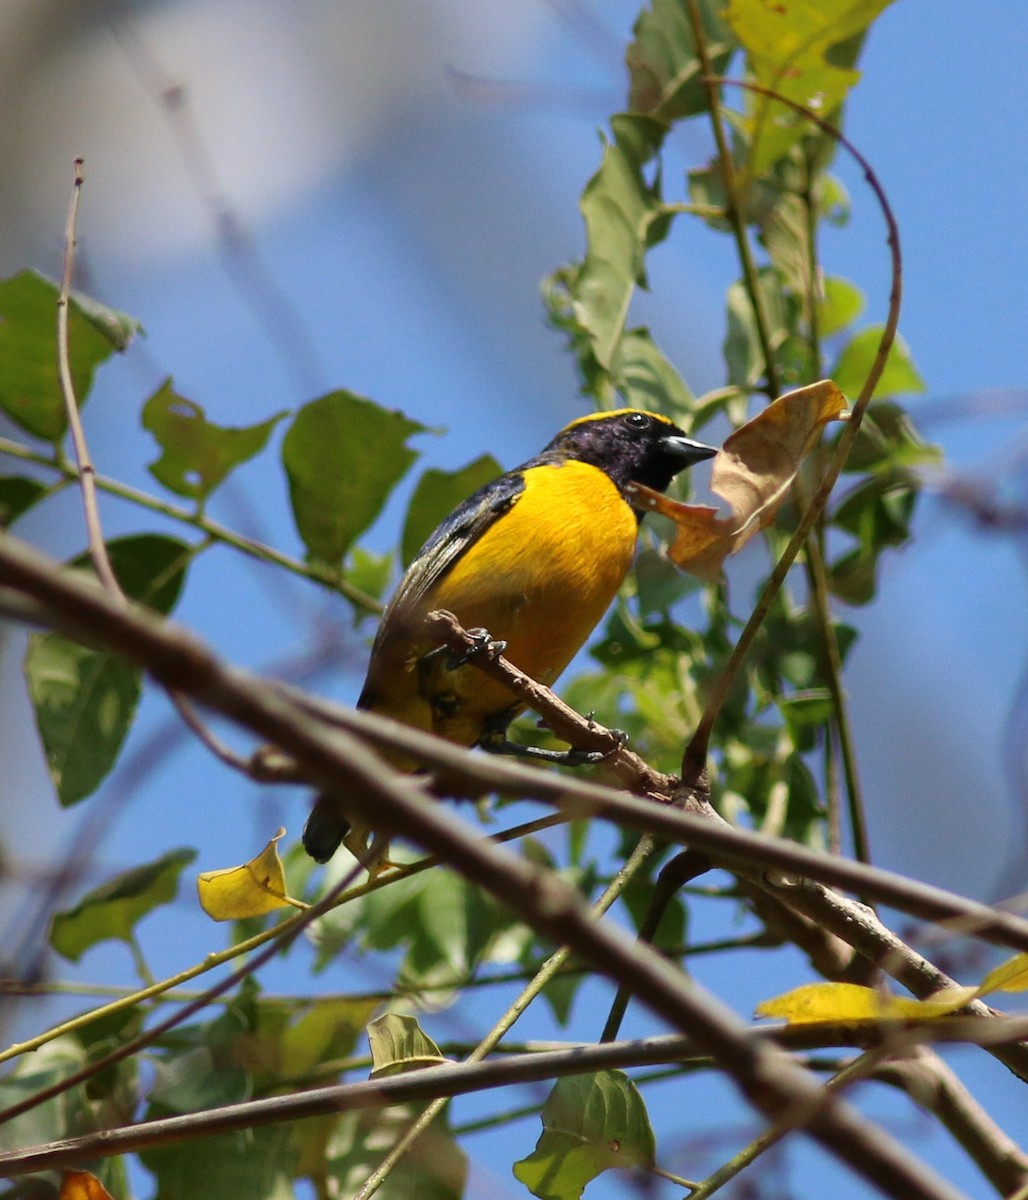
535	558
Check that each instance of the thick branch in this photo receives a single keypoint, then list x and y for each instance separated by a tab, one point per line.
769	1079
462	1078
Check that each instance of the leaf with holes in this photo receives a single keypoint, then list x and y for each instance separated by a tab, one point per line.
197	455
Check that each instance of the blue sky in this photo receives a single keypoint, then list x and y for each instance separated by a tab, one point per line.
408	224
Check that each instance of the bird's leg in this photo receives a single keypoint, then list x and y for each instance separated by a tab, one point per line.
484	644
494	740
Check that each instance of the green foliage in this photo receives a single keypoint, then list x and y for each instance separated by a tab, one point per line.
85	699
803	57
591	1124
431	935
17	496
114	909
398	1044
196	455
30	393
343	455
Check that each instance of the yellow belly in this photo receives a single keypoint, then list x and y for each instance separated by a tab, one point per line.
539	578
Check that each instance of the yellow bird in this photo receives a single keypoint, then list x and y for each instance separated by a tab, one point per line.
535	558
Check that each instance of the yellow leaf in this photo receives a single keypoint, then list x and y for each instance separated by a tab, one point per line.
255	888
752	472
80	1185
849	1002
1011	976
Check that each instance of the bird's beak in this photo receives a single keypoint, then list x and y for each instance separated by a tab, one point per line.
689	451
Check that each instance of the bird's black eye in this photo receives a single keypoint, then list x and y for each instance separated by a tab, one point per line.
637	420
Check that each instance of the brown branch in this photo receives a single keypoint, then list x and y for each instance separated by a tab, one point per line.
771	1082
169	651
563	721
933	1085
455	1079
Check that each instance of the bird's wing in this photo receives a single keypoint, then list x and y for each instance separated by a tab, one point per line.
461	529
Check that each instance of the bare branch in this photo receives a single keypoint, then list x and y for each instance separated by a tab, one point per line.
463	1078
86	470
771	1082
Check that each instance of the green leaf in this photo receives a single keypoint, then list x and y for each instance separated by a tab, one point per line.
253	1164
887	441
369	572
663	69
117	327
591	1124
795	48
878	514
841	304
343	455
646	379
436	495
85	699
69	1114
327	1031
30	393
854	364
197	455
112	910
434	1169
743	353
17	495
623	218
399	1044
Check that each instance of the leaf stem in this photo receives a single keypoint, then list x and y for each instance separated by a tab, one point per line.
213	529
733	211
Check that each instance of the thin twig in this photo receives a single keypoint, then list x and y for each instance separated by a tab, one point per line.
696	752
212	529
551	968
86	471
392	801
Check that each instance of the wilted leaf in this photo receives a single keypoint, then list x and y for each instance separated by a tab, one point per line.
30	393
197	455
752	473
343	455
436	494
113	909
848	1002
80	1185
84	699
251	890
591	1124
398	1044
